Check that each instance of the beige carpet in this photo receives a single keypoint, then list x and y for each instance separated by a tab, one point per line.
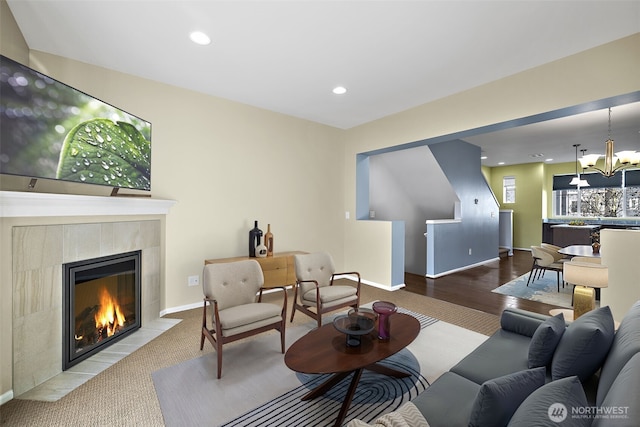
124	394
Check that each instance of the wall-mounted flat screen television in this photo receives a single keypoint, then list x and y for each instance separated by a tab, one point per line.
51	130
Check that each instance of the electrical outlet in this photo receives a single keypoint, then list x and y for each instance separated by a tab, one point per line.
194	280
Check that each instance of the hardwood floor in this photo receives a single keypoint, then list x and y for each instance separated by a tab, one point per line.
472	288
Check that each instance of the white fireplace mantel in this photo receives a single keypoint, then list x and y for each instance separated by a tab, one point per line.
32	204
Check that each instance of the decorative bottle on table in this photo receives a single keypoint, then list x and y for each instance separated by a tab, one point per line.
268	240
261	249
254	239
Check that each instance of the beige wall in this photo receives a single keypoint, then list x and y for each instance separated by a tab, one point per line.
12	42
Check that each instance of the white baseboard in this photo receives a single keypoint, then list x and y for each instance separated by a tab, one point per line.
370	283
5	397
466	267
385	287
180	308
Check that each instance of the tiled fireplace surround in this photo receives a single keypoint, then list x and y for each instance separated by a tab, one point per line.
38	255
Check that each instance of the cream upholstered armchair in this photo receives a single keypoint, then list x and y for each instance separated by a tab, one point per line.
234	292
315	273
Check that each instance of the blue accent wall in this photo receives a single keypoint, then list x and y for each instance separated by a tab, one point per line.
397	253
478	231
362	186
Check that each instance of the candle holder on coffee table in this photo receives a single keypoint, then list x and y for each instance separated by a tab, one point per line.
384	309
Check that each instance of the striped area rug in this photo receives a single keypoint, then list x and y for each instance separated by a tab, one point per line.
258	389
375	395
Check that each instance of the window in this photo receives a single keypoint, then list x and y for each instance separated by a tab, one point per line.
509	189
617	196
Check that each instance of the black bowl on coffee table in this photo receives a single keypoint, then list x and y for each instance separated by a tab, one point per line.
354	326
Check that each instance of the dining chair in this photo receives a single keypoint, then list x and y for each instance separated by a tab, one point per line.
586	278
554	249
544	260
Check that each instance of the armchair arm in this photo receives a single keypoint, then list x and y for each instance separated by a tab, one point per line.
351	273
347	273
216	315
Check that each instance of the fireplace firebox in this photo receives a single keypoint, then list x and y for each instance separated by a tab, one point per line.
101	304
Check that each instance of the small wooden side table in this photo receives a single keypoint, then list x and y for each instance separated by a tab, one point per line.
278	270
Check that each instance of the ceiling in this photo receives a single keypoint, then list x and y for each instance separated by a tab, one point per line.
287	56
552	140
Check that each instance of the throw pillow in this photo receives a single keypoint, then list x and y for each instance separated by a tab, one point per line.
408	415
550	406
499	398
584	345
545	340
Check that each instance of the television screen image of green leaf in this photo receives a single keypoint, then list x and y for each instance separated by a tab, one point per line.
51	130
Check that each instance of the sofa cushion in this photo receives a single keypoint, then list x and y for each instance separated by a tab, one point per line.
501	354
499	398
551	404
584	345
407	415
626	343
448	401
521	321
620	406
545	340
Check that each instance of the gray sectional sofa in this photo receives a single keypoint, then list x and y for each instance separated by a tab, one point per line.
537	371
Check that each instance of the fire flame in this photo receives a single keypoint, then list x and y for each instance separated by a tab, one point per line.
109	317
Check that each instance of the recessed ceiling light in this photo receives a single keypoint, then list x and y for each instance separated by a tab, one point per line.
483	157
200	38
340	90
501	163
548	160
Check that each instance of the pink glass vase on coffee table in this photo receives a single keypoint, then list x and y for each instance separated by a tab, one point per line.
384	309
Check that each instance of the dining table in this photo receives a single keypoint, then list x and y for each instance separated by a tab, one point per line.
579	250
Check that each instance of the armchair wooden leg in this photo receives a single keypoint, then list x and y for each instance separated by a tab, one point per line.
293	311
219	351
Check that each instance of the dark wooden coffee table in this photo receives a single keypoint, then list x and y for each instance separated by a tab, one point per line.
324	351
